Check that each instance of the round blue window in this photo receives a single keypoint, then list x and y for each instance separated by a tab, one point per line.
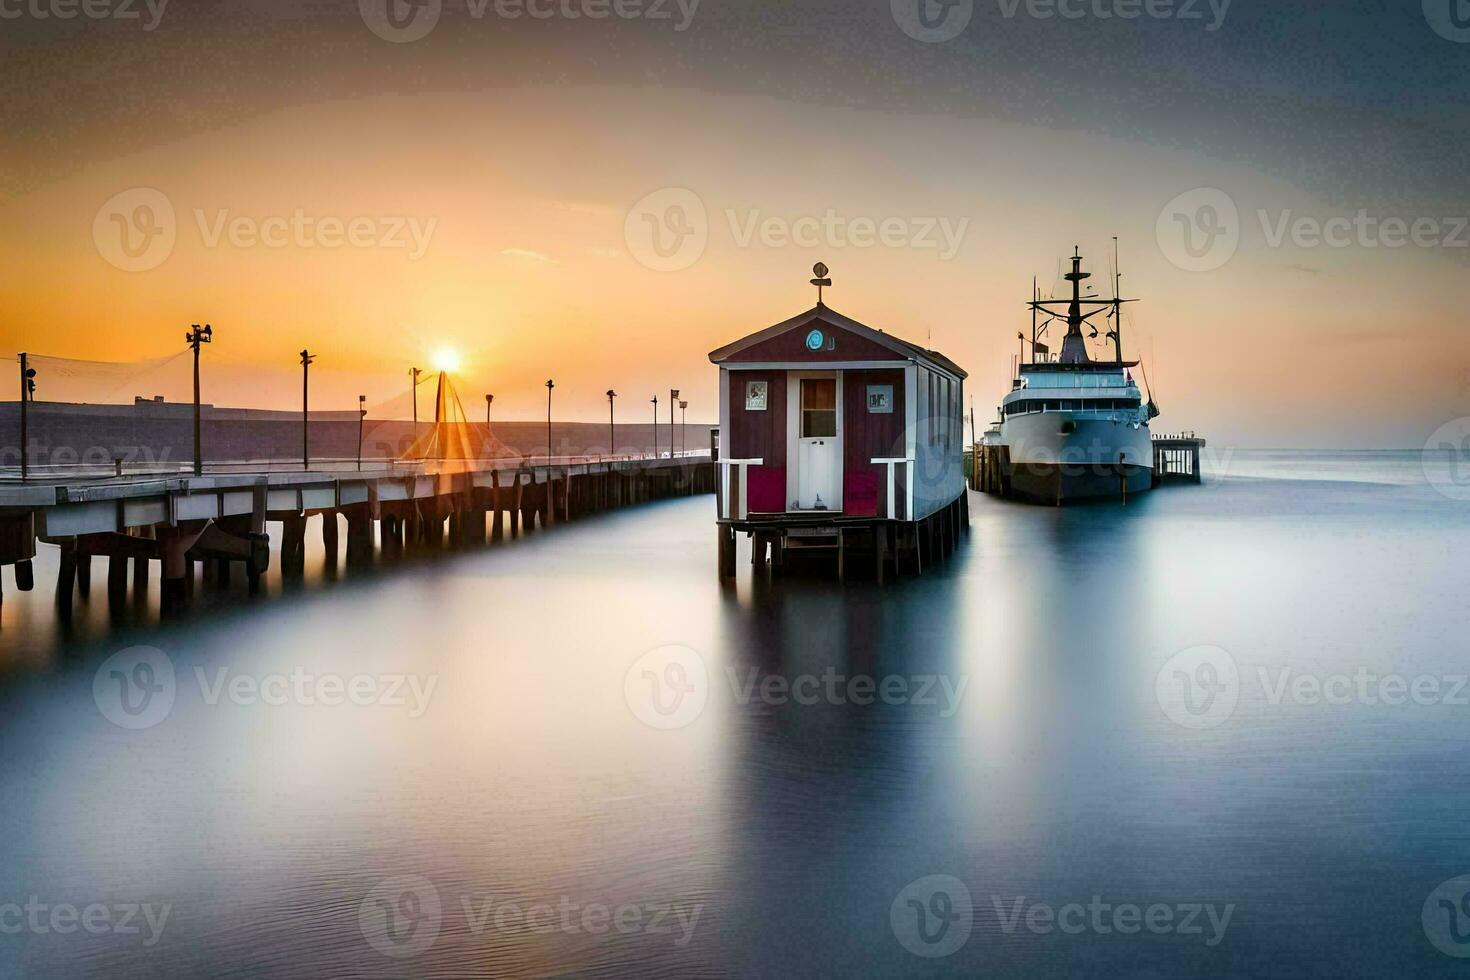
814	340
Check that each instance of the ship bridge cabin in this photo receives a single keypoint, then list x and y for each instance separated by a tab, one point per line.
837	436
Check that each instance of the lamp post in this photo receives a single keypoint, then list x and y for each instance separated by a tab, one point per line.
414	373
198	335
27	392
361	415
549	385
655	427
612	438
673	403
683	427
488	448
306	358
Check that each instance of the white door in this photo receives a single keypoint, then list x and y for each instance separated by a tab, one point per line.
819	446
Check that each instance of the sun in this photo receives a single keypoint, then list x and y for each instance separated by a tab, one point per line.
446	359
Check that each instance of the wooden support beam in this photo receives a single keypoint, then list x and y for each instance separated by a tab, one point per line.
726	550
330	541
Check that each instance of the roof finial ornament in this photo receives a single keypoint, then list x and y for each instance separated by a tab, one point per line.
820	270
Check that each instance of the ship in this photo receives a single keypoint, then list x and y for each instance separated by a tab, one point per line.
1071	427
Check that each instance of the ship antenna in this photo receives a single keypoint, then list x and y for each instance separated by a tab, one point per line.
1117	303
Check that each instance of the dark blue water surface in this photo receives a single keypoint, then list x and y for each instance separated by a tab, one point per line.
579	754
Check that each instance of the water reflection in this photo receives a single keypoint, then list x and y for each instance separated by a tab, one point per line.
1018	747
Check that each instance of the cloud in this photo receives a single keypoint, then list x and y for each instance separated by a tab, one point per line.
526	253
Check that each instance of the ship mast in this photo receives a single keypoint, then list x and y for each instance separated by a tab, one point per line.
1077	313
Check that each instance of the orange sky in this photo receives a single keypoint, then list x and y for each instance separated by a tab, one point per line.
528	273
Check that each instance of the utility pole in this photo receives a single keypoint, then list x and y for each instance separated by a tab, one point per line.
361	415
549	385
27	392
306	358
414	373
655	427
673	403
683	428
612	439
194	338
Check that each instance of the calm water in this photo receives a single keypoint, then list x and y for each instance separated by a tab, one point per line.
577	754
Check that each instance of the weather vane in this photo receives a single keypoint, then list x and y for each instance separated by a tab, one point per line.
820	270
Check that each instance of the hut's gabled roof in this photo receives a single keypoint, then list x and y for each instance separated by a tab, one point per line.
831	317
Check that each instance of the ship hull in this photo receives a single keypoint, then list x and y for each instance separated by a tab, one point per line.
1056	457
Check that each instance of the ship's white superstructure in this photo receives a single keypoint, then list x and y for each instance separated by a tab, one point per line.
1074	427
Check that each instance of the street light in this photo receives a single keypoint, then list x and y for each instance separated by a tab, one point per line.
361	415
198	335
488	448
414	373
612	439
549	385
655	427
683	428
673	401
27	393
306	358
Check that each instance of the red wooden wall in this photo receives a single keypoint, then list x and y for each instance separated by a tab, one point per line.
866	437
761	435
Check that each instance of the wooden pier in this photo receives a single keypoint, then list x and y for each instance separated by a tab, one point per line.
220	520
1176	460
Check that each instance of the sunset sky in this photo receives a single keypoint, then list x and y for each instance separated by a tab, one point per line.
502	173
